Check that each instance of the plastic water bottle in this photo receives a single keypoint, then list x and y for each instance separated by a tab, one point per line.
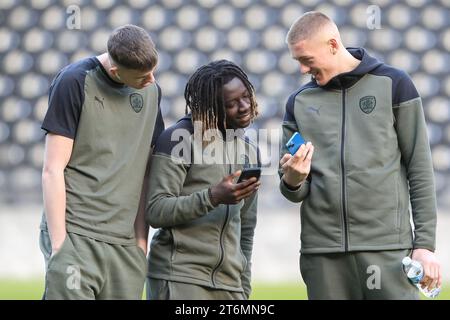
414	272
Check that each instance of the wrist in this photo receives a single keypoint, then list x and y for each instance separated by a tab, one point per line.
57	242
142	243
212	199
292	185
56	247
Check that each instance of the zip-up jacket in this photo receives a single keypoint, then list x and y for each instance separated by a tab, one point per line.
371	160
198	243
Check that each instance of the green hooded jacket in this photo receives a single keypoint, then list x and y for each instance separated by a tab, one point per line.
196	242
371	161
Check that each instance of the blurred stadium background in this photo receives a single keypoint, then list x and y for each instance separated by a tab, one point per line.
39	37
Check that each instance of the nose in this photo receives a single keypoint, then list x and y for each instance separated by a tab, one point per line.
304	69
149	79
244	105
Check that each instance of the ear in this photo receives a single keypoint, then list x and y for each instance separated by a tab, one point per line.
333	45
114	72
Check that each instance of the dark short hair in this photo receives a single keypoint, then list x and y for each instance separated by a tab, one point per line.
204	93
131	47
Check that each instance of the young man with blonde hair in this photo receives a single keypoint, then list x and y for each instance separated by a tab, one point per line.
365	125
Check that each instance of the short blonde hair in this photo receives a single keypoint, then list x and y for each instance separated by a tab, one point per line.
307	25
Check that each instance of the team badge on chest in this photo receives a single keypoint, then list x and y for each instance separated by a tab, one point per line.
367	104
136	102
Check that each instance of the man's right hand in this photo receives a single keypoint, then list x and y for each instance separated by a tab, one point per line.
227	192
297	167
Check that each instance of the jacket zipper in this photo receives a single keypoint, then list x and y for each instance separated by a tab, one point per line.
222	232
222	250
344	195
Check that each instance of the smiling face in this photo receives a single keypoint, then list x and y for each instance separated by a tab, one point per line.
237	104
316	57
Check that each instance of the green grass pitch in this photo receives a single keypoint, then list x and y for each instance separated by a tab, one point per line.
32	290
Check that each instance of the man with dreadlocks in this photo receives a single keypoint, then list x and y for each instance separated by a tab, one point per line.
206	221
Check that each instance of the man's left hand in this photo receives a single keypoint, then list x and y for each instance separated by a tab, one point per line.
431	268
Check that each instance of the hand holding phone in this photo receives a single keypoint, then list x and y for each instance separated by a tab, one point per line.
296	167
248	173
295	143
228	192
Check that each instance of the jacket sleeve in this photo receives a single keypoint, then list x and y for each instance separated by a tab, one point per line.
416	157
289	127
248	224
166	207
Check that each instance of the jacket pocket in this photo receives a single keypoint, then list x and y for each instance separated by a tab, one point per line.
196	247
244	260
45	244
173	253
373	208
373	192
321	222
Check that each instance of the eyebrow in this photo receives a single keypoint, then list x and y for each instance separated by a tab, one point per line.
144	76
245	92
304	58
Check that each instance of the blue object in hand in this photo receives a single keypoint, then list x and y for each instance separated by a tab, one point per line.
294	143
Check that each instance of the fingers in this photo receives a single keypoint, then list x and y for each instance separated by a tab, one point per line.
427	279
303	152
245	196
247	192
249	187
439	282
235	174
300	154
231	177
285	159
244	184
433	277
310	153
301	161
432	274
245	189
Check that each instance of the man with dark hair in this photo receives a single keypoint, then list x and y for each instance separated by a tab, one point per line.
103	117
206	221
371	160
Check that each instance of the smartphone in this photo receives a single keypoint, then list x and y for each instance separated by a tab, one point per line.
295	142
248	173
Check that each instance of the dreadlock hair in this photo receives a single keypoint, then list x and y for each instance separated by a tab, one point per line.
204	93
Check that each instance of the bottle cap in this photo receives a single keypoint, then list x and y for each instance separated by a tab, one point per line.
406	261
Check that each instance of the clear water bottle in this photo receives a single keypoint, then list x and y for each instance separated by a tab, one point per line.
414	272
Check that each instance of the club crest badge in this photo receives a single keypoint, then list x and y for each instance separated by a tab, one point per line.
136	102
367	104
